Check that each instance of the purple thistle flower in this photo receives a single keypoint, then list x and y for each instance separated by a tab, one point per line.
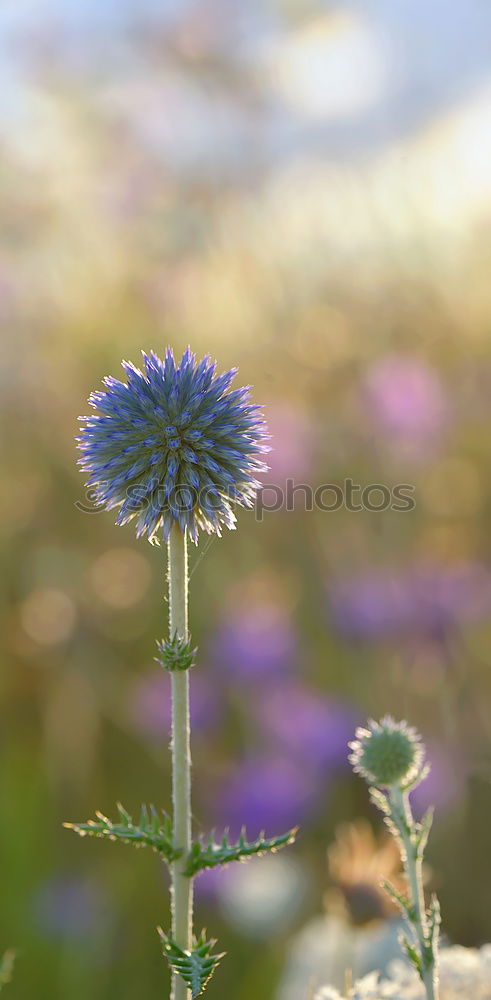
174	444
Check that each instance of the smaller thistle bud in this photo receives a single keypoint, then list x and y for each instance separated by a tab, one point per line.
387	753
176	654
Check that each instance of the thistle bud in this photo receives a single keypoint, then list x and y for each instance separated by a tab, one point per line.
387	753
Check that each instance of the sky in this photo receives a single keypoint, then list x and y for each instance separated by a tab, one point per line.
352	75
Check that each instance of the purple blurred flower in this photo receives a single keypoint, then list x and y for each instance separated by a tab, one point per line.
69	908
370	605
426	599
406	398
445	783
266	793
254	641
308	726
149	704
292	437
208	883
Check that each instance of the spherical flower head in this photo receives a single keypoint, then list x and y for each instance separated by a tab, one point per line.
387	753
173	445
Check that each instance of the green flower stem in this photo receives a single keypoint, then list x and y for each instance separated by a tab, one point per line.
413	864
182	886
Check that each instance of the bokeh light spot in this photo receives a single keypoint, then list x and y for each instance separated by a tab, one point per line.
120	577
48	616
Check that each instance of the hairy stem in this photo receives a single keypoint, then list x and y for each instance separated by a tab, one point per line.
413	864
182	886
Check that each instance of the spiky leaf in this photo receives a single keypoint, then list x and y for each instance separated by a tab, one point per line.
379	799
423	831
412	955
401	900
434	921
176	653
210	854
197	966
153	830
417	778
6	967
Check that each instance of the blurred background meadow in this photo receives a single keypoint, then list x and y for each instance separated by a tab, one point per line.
301	188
